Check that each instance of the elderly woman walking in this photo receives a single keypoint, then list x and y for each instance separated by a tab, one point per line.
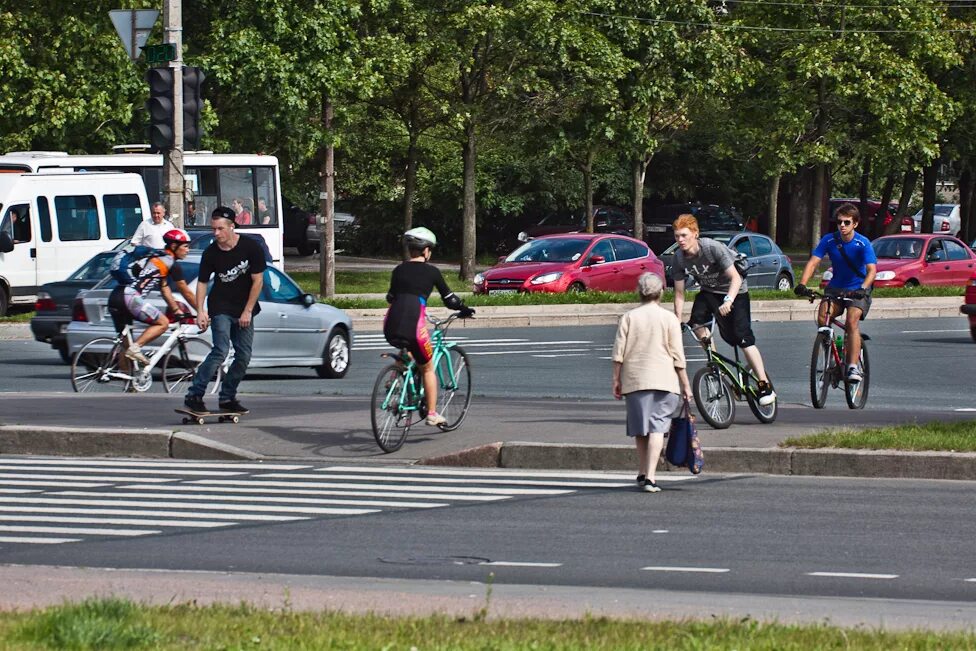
649	369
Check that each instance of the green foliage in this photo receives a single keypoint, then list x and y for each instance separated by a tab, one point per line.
916	437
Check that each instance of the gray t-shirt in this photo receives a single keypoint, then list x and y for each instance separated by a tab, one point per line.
708	267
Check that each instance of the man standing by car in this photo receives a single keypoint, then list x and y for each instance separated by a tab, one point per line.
150	232
723	295
237	265
854	265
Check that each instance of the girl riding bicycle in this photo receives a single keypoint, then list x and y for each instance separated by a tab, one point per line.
405	323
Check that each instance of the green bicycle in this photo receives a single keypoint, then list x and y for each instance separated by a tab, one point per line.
721	382
398	394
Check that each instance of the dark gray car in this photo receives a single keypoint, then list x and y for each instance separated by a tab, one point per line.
769	267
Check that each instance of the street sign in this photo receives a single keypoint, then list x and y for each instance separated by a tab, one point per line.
133	26
162	53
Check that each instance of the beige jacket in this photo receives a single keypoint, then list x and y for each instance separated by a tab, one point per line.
649	346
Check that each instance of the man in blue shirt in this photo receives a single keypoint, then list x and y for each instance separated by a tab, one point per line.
854	265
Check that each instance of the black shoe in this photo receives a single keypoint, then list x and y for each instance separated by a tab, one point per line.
651	487
233	405
195	403
640	480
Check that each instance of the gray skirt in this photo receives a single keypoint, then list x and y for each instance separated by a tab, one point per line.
650	411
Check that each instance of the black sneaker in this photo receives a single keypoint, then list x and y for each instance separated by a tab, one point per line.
640	480
651	487
233	405
195	403
766	394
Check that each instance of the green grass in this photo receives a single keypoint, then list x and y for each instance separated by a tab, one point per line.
15	316
115	624
944	437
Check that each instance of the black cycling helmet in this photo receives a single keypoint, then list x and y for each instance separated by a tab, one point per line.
420	238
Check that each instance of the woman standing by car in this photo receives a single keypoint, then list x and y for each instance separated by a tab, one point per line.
649	369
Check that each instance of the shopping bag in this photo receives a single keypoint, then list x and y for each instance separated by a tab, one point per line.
679	437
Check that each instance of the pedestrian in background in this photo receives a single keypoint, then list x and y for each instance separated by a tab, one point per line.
150	231
649	369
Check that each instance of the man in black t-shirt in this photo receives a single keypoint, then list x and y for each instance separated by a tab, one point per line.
237	266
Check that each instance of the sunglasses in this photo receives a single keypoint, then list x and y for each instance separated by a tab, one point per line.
845	222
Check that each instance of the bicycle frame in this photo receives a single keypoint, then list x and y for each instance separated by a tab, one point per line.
734	369
411	395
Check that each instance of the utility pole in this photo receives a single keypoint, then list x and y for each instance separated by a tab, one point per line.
173	182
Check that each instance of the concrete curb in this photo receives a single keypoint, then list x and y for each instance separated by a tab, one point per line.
831	462
91	442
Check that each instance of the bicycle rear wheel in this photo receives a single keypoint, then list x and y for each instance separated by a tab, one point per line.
390	420
821	368
97	367
454	387
764	413
181	362
713	396
857	392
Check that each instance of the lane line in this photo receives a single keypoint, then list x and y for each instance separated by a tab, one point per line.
853	575
31	540
390	488
561	355
233	517
153	464
475	472
337	493
154	504
520	564
150	522
926	332
700	570
79	531
254	498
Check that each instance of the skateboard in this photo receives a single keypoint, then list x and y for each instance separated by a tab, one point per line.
199	416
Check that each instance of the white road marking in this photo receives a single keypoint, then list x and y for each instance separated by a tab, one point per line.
853	575
337	493
151	464
701	570
443	480
56	484
31	540
149	522
33	490
487	343
134	471
387	487
159	514
970	580
79	531
965	409
562	355
253	498
926	332
475	472
4	476
660	531
521	564
155	504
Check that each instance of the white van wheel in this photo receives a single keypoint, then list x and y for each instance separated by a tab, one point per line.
4	301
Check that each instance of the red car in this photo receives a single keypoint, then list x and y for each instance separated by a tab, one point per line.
908	260
969	306
571	262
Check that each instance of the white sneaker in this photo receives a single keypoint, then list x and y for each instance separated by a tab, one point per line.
134	352
766	394
434	419
854	374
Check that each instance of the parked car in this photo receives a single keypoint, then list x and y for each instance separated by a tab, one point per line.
908	260
969	306
571	262
295	231
52	310
659	221
867	220
292	329
606	219
769	267
946	219
344	225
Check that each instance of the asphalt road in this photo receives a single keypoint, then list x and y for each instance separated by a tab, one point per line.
758	536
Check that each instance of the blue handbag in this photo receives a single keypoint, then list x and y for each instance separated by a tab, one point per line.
683	448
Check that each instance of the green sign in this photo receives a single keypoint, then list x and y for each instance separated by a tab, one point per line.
162	53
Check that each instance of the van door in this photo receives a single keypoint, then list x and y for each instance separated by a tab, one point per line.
19	267
78	235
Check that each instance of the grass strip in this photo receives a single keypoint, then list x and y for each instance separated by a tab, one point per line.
116	624
918	437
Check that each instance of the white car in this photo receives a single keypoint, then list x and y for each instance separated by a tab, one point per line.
292	329
946	219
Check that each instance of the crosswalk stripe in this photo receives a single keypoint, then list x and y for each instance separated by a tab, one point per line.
388	487
253	498
153	504
155	513
335	493
383	476
56	484
35	540
102	478
78	531
148	522
481	472
152	464
133	471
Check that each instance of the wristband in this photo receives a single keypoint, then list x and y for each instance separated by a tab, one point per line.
727	299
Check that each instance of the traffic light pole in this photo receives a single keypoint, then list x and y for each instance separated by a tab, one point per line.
173	182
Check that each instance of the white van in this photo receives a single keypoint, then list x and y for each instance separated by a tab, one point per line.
52	222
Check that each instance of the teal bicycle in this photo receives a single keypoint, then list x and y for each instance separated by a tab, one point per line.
398	395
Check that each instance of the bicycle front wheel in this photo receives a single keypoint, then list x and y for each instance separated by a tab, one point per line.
454	387
713	396
763	413
857	392
181	362
97	367
821	368
391	421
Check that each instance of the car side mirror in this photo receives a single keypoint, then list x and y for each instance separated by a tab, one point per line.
6	242
308	300
502	258
596	259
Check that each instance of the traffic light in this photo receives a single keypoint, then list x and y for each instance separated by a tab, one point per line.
160	107
192	106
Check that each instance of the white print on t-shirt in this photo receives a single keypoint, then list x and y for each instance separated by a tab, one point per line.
235	272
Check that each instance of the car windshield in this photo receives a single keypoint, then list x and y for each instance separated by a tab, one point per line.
559	219
550	250
943	209
898	248
94	269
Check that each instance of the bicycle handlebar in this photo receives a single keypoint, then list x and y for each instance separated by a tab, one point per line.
463	313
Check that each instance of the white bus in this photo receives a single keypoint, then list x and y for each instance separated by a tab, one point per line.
249	183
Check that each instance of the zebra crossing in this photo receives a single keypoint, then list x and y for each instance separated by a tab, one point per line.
56	501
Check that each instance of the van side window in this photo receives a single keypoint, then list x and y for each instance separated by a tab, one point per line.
16	223
77	218
123	214
44	217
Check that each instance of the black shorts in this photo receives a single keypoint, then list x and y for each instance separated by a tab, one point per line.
121	316
864	304
736	328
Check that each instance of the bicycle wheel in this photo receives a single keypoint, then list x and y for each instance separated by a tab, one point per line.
763	413
181	362
713	395
821	367
97	367
454	387
857	392
390	421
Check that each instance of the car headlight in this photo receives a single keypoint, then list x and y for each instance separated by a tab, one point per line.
828	274
546	278
523	237
479	279
885	275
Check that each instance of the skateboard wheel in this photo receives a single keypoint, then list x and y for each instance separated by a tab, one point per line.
235	419
199	421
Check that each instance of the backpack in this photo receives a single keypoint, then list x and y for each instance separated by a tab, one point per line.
128	263
741	263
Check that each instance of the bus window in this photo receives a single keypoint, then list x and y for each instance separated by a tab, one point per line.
123	213
77	218
44	215
267	213
237	191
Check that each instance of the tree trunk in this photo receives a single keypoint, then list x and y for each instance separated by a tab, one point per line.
410	188
966	202
817	225
773	204
904	199
587	168
801	186
886	192
638	171
863	192
327	207
929	179
469	153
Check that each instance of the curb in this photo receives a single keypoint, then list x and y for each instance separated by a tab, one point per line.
90	442
825	462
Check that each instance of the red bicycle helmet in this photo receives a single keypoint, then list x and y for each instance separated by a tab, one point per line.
176	236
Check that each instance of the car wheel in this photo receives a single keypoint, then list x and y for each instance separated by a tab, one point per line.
4	301
63	352
577	288
305	248
336	355
911	282
972	331
783	283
